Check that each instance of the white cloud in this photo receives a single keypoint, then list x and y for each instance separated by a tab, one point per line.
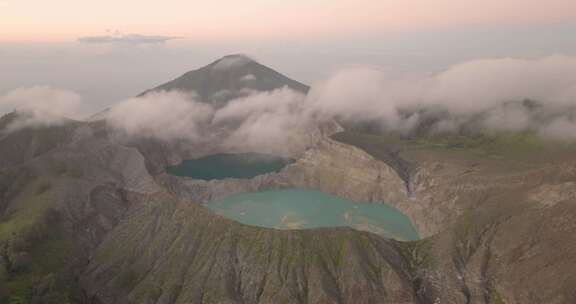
487	92
168	115
360	93
508	117
265	121
126	39
280	101
484	95
559	129
481	84
44	105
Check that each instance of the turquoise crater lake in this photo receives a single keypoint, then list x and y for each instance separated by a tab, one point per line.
228	165
306	209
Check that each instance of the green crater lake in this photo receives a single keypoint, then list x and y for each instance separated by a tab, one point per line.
227	165
305	209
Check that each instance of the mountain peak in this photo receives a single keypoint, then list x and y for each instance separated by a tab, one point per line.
230	77
237	56
232	61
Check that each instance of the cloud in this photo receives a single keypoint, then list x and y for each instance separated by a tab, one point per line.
481	84
266	121
513	117
126	39
278	101
167	115
359	94
508	95
487	95
562	129
43	105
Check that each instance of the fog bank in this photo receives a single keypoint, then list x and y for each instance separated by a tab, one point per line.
485	96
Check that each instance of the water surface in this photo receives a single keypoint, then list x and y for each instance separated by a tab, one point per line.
304	209
227	165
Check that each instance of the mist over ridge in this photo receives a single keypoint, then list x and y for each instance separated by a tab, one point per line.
487	95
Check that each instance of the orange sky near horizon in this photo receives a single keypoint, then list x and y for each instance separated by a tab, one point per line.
38	20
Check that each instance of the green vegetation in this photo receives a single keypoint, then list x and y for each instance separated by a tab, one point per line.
33	249
31	208
496	298
498	145
495	145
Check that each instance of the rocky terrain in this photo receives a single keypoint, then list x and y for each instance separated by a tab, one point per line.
88	217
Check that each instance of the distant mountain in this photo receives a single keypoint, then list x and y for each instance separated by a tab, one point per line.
230	77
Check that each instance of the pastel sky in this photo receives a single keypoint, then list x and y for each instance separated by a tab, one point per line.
40	20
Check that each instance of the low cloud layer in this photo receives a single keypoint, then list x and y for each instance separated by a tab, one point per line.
270	119
511	95
261	121
167	115
43	105
494	95
116	37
